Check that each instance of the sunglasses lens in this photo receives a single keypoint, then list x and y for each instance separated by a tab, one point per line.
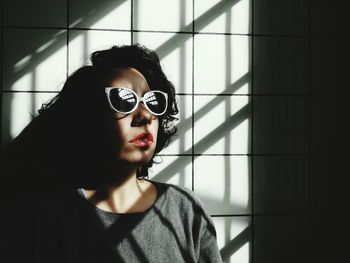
156	102
123	100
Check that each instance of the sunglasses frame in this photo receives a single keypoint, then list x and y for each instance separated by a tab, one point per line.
138	100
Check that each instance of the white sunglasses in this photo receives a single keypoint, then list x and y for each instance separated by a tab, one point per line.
125	101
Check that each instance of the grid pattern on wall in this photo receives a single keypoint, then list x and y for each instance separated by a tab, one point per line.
205	51
251	82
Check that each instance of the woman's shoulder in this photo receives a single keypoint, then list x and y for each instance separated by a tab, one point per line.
181	197
183	205
178	192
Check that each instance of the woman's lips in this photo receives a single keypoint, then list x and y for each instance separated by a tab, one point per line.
143	139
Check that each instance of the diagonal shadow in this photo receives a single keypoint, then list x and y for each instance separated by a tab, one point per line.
185	255
187	123
121	234
91	13
200	23
138	250
235	244
207	141
163	50
58	41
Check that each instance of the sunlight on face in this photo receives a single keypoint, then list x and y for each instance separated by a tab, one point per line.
138	123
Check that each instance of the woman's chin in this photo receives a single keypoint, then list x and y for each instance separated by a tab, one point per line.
137	159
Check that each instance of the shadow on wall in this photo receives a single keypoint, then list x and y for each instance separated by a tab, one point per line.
46	42
40	46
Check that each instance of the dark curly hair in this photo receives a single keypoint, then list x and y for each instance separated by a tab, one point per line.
74	131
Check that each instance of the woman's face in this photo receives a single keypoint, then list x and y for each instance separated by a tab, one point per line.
138	130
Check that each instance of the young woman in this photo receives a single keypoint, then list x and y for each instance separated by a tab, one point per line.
76	178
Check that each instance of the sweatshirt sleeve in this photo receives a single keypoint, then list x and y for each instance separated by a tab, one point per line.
209	251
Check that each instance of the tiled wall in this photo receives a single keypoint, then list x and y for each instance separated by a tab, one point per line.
262	89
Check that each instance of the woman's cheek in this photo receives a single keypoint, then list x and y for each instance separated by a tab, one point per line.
122	128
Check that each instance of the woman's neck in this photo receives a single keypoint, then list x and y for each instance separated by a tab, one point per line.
129	195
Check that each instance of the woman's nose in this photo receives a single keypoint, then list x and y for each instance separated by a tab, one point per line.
142	115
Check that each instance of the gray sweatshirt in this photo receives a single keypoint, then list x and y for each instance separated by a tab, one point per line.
65	227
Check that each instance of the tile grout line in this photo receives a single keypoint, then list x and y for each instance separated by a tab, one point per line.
252	133
186	32
208	94
192	96
67	40
308	226
2	67
213	94
132	22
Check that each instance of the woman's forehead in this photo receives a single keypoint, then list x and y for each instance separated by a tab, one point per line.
130	78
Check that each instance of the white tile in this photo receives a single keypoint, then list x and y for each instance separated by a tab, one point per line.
223	183
82	43
174	170
100	14
221	64
234	232
222	16
175	53
171	15
39	13
18	109
221	124
39	66
182	141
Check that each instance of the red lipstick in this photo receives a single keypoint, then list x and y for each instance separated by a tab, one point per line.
143	139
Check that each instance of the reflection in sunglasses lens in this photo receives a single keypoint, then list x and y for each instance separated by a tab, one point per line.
122	99
156	102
